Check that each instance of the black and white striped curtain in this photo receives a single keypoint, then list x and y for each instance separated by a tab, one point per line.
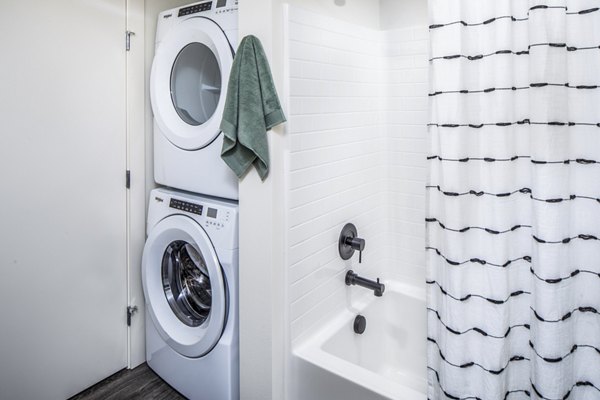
513	218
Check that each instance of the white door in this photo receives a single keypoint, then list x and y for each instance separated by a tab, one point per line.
62	196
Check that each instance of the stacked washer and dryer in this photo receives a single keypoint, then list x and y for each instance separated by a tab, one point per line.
190	260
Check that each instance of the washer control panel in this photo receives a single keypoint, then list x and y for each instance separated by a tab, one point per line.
220	7
196	8
186	206
216	218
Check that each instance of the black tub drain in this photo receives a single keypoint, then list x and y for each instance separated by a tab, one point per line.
360	324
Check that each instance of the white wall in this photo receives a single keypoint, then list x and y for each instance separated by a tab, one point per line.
402	14
137	197
262	309
365	13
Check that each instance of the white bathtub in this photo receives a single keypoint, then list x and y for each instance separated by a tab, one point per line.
388	361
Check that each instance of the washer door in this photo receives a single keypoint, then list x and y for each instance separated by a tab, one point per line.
184	286
188	82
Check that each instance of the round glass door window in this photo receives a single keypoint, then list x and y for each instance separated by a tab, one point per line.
195	84
186	283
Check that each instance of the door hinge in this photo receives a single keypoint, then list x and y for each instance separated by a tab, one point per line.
128	179
130	311
128	35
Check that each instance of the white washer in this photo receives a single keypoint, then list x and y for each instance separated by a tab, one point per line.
195	47
190	279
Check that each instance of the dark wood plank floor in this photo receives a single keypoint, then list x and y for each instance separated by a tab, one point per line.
135	384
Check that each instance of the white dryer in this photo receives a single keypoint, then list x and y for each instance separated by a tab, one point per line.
195	47
190	280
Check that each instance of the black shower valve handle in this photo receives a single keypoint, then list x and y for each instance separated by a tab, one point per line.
357	244
349	242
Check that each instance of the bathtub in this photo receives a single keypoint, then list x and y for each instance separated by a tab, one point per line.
388	361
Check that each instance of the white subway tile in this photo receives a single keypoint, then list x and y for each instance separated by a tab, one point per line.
358	114
313	175
421	33
421	60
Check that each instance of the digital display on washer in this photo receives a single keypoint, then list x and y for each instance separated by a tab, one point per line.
196	8
221	3
186	206
211	213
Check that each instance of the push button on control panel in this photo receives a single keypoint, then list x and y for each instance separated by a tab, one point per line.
195	9
215	224
186	206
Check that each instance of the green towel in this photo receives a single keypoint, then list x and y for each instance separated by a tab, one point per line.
251	108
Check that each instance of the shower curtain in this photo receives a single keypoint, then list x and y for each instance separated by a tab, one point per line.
513	214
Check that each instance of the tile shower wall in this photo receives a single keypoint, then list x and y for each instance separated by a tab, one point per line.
356	155
405	124
337	160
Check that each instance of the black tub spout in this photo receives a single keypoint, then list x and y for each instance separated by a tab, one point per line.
352	278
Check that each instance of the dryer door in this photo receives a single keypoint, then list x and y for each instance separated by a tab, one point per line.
188	82
184	286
